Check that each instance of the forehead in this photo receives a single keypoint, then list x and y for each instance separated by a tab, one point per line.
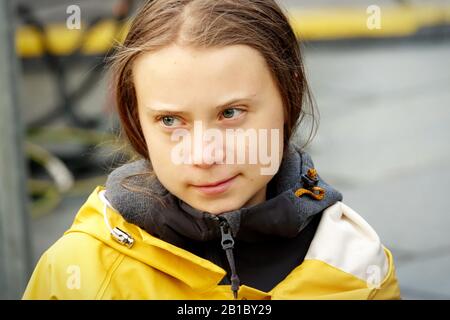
182	75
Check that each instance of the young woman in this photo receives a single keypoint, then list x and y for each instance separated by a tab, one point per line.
222	203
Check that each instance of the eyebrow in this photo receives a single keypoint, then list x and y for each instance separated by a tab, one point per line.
172	109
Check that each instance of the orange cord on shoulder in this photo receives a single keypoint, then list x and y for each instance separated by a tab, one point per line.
319	196
312	174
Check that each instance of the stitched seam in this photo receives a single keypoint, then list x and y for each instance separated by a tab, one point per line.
108	277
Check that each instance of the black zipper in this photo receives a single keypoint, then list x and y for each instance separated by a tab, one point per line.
227	243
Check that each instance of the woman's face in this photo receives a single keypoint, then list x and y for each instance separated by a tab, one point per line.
191	103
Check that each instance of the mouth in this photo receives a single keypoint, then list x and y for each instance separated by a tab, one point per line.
216	187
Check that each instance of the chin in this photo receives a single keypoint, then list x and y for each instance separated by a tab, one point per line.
217	209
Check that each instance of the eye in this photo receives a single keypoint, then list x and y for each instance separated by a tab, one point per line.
231	113
168	121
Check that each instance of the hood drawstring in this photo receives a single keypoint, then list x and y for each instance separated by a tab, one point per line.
227	245
116	233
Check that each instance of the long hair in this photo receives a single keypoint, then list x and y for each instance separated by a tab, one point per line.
260	24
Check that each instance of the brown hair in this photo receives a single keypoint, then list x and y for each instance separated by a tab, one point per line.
260	24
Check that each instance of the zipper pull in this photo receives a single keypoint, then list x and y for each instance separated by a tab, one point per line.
227	240
227	245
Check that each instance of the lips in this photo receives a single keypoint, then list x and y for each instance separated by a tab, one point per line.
216	187
214	183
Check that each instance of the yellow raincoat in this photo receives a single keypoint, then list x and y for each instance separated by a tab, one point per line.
345	261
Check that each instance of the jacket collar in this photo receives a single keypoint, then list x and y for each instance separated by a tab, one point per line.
172	220
159	237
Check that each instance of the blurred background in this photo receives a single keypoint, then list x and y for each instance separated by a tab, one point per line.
380	74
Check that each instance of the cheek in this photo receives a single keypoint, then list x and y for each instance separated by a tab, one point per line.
156	143
276	118
168	173
271	116
158	149
159	152
273	121
254	180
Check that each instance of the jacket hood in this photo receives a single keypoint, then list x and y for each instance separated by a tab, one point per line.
156	210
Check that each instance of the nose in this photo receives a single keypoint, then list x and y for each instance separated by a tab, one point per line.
207	153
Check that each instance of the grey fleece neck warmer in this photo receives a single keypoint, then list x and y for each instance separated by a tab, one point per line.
165	216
